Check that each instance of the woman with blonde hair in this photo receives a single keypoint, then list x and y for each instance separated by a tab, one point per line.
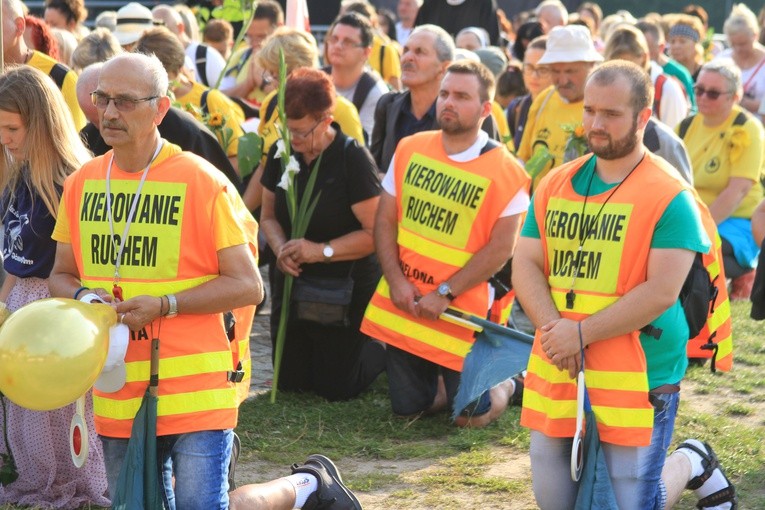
741	29
41	147
299	50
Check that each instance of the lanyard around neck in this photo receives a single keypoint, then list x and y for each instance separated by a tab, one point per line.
131	214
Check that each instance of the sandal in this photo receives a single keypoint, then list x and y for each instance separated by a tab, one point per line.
710	462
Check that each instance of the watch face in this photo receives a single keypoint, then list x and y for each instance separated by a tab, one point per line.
328	251
443	289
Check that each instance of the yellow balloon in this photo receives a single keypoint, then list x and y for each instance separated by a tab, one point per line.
52	351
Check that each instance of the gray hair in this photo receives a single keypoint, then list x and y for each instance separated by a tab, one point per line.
728	69
444	44
150	65
554	7
98	46
741	21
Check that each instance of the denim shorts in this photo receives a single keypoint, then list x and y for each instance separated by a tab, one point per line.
635	472
197	460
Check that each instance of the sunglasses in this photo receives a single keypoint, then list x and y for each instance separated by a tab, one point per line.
123	104
710	93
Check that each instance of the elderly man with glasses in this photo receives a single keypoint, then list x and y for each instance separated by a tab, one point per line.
165	238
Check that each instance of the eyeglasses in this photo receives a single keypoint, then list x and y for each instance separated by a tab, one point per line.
540	71
710	93
123	104
343	43
303	136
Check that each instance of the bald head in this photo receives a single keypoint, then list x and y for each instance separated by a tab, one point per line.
170	18
87	82
146	68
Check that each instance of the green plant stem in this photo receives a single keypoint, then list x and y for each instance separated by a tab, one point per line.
281	334
239	39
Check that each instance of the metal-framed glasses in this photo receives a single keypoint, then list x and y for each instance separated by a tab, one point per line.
306	134
541	71
123	104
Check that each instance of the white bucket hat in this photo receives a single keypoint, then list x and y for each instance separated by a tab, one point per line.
571	43
133	20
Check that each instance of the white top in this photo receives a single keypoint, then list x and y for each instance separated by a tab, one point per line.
367	112
213	67
753	82
518	204
673	106
402	33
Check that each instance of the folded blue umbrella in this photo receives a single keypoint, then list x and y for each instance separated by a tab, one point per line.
498	353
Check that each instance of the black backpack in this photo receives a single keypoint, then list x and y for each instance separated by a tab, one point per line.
697	298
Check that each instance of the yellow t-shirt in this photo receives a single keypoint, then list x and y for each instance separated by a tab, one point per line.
44	63
345	115
240	69
217	103
721	152
543	127
387	63
502	126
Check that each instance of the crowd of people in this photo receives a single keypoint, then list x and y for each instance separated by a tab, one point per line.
454	158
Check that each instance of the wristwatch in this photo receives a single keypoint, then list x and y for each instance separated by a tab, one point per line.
172	306
444	290
328	252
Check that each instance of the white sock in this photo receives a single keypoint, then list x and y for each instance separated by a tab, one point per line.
304	484
714	483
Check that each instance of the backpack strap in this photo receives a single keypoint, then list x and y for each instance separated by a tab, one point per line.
658	89
271	107
363	87
741	118
382	58
203	102
201	63
491	144
685	124
58	73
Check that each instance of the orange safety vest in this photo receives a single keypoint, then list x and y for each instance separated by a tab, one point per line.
613	260
170	248
446	212
716	337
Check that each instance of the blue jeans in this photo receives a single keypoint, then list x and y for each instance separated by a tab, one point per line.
635	472
197	460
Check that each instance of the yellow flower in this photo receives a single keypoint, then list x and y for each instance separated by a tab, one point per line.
215	120
739	142
579	131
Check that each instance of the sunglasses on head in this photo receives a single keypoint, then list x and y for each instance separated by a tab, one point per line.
710	93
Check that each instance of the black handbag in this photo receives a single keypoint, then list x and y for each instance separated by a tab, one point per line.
323	300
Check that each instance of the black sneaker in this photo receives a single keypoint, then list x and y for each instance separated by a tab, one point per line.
235	448
331	493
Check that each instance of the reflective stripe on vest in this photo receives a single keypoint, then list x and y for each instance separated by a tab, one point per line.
171	248
612	262
446	212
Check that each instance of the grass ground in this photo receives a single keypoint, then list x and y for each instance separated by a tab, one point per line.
429	464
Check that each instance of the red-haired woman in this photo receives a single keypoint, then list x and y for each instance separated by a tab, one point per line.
334	360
